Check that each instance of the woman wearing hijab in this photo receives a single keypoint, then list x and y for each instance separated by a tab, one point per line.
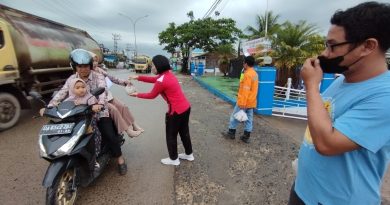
179	108
119	112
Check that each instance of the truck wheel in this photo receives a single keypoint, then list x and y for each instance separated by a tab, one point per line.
9	110
62	192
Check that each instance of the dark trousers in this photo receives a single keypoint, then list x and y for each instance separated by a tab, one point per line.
294	198
174	124
107	128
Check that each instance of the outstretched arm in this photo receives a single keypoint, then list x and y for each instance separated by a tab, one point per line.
112	78
146	79
157	89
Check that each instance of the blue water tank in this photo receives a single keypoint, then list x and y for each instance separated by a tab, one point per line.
200	69
192	67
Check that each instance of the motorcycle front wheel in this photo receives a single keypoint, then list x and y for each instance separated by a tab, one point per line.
63	192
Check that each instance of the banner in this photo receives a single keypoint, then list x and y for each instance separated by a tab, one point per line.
251	47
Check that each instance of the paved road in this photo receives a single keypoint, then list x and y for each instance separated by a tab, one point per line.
224	172
147	182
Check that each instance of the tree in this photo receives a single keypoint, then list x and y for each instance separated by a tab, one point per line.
292	44
225	53
190	15
259	30
206	34
169	36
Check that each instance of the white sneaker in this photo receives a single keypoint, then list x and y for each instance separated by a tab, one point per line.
168	161
189	157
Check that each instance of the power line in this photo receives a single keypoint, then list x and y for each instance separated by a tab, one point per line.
212	8
223	7
72	6
70	11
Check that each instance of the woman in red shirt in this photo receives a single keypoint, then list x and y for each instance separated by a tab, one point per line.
179	108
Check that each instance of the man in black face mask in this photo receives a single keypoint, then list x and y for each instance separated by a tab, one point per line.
346	148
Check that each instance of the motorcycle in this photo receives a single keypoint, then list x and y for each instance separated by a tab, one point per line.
67	142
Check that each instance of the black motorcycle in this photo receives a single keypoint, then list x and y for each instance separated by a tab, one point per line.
67	142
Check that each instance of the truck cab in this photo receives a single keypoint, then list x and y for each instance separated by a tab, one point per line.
142	64
11	100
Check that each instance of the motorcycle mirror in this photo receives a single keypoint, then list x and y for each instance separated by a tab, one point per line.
35	95
96	92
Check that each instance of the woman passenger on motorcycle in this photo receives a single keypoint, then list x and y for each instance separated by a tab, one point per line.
120	113
82	62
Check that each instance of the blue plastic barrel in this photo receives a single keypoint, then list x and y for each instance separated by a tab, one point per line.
192	67
200	69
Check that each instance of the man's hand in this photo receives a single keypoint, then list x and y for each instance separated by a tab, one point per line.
133	94
41	111
97	108
311	72
133	77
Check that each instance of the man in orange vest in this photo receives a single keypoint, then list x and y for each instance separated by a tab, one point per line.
246	100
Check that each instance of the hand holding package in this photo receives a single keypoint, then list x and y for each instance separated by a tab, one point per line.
130	89
241	116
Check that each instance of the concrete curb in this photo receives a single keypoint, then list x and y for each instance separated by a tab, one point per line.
214	91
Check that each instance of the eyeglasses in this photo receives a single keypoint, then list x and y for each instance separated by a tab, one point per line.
332	46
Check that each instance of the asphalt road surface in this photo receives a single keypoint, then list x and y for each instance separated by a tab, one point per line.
224	171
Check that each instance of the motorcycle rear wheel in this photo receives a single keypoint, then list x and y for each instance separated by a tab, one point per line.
62	193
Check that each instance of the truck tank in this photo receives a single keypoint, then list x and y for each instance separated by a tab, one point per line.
34	56
41	43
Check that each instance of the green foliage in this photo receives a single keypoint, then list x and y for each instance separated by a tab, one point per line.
168	37
259	30
225	52
206	34
292	45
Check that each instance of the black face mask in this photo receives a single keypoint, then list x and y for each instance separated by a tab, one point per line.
332	65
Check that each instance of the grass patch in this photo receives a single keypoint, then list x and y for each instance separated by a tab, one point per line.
228	86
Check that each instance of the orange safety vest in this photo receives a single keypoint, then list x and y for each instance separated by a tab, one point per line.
247	92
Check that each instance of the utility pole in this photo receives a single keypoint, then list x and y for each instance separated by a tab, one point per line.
134	22
128	49
116	38
266	20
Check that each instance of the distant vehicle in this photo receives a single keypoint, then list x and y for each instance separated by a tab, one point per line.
120	65
142	64
34	56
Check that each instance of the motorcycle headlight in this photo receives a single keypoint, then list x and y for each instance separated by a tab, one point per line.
68	146
42	150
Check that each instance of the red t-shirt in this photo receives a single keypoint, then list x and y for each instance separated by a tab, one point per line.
167	85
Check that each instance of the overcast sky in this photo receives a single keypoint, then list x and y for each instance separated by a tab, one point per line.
100	18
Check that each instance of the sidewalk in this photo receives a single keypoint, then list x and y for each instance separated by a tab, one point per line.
293	128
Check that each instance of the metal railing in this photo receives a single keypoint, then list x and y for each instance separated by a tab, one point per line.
289	102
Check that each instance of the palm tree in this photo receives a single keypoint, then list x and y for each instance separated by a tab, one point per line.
292	44
225	52
259	31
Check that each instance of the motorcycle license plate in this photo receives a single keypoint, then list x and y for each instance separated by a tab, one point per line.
57	129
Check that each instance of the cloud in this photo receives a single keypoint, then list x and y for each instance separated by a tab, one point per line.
100	18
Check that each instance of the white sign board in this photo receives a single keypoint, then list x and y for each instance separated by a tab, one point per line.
250	47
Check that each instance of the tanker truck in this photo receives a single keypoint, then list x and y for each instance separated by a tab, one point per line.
34	56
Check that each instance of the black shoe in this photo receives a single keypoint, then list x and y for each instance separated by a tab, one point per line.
122	168
231	134
245	137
